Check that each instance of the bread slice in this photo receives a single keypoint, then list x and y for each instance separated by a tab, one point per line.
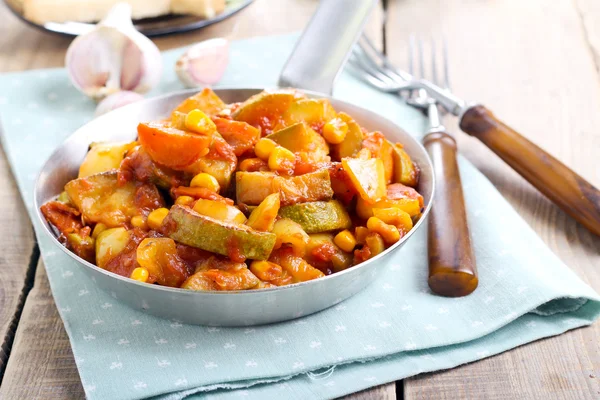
16	5
42	11
200	8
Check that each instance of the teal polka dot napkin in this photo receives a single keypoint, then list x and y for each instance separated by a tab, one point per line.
394	329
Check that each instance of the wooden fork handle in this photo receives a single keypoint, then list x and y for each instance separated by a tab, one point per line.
573	194
452	270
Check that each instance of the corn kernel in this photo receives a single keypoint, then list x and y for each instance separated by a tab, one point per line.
184	200
375	243
207	181
263	148
282	160
138	222
345	240
98	229
389	233
140	274
395	216
360	233
155	218
197	121
335	131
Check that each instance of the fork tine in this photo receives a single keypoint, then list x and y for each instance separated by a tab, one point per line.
445	63
358	69
420	55
411	52
362	60
367	46
434	68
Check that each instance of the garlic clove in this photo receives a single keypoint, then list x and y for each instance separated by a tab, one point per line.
114	56
204	63
116	100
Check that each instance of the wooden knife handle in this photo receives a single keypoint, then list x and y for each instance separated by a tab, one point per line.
452	270
573	194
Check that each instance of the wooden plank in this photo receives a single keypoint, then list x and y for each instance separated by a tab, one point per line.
18	249
41	363
41	339
18	243
533	63
383	392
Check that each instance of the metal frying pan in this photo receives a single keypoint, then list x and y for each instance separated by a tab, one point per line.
315	62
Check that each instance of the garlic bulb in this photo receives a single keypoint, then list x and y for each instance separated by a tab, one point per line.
116	100
113	56
204	63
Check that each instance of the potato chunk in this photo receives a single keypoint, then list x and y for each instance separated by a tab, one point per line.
263	217
353	141
206	101
110	243
221	274
265	110
159	256
291	233
313	112
399	196
100	198
367	176
405	171
301	138
254	187
381	149
297	267
103	157
220	162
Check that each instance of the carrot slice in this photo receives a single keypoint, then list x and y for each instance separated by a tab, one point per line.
172	147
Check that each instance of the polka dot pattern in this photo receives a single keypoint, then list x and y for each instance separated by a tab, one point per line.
393	329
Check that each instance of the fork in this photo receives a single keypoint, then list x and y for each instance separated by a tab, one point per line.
452	270
569	191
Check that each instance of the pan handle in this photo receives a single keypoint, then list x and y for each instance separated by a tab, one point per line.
325	45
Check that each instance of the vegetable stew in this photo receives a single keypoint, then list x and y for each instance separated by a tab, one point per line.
273	191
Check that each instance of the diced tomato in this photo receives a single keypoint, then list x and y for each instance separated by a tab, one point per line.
147	197
172	147
64	217
241	136
361	255
138	166
234	252
192	256
324	252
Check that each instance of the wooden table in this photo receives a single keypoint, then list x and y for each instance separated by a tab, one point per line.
536	63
